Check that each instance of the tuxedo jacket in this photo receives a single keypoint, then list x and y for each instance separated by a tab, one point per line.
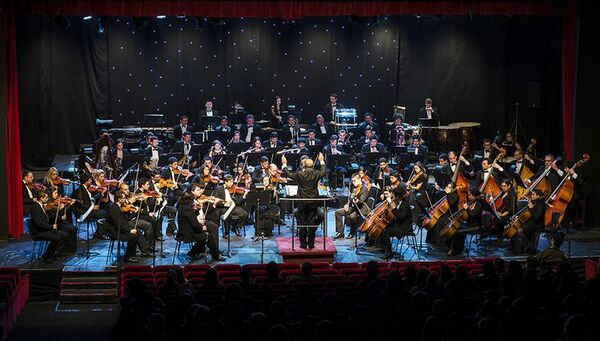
307	179
187	220
148	152
178	147
327	149
366	148
41	222
177	131
329	130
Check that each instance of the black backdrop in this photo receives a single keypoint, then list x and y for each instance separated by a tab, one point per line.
475	69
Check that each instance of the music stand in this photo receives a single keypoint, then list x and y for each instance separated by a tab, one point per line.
209	122
254	158
237	148
373	158
199	150
155	119
293	159
225	160
222	136
314	150
164	158
399	150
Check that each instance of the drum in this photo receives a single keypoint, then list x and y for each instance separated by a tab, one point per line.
468	131
447	138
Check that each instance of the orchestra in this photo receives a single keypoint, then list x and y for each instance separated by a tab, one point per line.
490	186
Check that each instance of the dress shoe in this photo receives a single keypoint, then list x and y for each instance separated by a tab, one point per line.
350	236
338	235
145	254
225	236
302	246
100	236
130	260
311	246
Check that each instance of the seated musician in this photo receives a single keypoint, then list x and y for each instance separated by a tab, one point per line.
153	206
42	227
210	164
184	146
145	142
488	150
417	148
291	128
238	216
262	169
333	148
300	146
275	174
51	179
464	167
250	129
488	168
274	141
152	155
206	178
217	148
554	175
141	218
321	127
173	173
521	168
257	146
402	223
507	208
182	127
194	226
368	133
509	143
29	191
349	214
451	195
474	207
419	198
344	138
373	146
224	125
120	228
526	238
268	213
85	200
61	215
312	139
242	178
237	137
368	122
382	173
398	131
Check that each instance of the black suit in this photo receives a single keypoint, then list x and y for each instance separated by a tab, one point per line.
366	148
238	215
329	112
352	214
178	131
173	194
435	116
498	176
317	142
309	213
41	227
553	177
244	131
178	147
399	227
225	129
83	203
203	114
363	125
190	230
267	144
27	198
118	227
328	128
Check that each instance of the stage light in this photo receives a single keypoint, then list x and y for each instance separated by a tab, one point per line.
161	16
87	17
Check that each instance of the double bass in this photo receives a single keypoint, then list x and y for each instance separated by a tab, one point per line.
561	197
490	187
459	180
526	173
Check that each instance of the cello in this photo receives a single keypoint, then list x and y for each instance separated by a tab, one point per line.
438	210
561	197
459	180
456	220
490	187
517	221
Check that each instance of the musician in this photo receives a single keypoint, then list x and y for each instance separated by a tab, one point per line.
206	178
397	131
262	169
141	219
274	141
526	238
474	207
210	164
224	125
396	180
208	111
250	129
554	175
488	150
146	142
43	227
152	155
417	149
401	225
275	175
217	148
119	153
291	128
433	235
353	209
381	175
85	199
182	127
120	228
268	213
488	168
300	146
429	115
373	146
242	178
154	206
368	132
195	227
442	172
312	139
322	127
509	143
62	217
238	215
184	145
257	146
521	162
237	137
172	172
333	148
415	185
368	122
277	113
29	194
332	106
344	137
308	213
49	181
508	206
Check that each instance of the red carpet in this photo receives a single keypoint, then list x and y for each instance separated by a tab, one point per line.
298	255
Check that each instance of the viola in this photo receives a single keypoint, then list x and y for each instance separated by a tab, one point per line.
96	189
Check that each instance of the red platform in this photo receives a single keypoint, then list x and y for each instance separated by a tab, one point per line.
298	255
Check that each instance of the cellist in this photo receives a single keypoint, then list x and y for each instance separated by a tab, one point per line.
433	235
402	223
522	167
474	206
525	239
554	175
508	206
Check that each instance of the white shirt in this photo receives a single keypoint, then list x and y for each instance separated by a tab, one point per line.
486	175
228	200
429	111
249	134
323	130
486	153
209	113
186	148
373	149
334	150
155	154
183	128
311	142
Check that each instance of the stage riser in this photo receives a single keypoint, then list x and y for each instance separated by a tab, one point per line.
89	287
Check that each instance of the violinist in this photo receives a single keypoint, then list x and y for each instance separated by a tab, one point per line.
242	178
41	226
153	204
214	169
100	181
120	228
59	213
395	180
275	175
29	191
508	207
262	169
401	225
349	214
195	227
473	207
268	213
85	199
554	175
238	215
53	180
526	238
173	173
206	179
145	223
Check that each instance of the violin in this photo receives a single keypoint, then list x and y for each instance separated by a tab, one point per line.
96	189
36	186
211	179
152	194
169	183
129	208
60	181
206	198
238	190
111	182
182	171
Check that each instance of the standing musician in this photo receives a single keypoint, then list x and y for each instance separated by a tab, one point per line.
402	223
151	156
554	176
353	209
229	197
429	115
118	226
85	199
45	228
277	113
331	107
308	213
194	225
508	207
526	238
224	125
29	191
182	128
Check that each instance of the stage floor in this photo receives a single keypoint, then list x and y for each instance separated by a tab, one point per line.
244	250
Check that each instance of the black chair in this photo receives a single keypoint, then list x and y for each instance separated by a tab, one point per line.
39	244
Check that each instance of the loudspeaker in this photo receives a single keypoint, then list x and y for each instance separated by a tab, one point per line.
534	95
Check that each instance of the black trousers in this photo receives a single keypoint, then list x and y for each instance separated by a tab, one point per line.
57	239
71	231
201	241
309	214
130	238
237	218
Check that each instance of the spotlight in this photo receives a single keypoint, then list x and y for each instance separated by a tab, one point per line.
161	16
87	17
62	21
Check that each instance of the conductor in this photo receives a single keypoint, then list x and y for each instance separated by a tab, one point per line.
309	213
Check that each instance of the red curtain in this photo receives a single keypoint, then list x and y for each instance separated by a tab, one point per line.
13	136
261	9
569	56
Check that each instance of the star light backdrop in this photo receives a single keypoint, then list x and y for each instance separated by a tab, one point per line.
474	68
